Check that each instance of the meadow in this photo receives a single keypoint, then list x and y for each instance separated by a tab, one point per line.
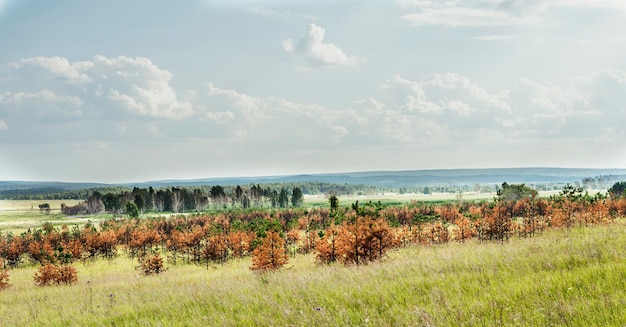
564	277
320	201
19	215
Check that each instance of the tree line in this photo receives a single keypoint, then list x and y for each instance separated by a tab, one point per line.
310	188
82	194
180	200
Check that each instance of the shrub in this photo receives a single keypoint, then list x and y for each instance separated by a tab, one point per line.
67	275
46	275
152	264
50	274
4	279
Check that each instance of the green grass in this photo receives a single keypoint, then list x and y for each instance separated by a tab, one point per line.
400	199
563	278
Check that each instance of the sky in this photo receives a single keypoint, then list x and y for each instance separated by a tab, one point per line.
128	91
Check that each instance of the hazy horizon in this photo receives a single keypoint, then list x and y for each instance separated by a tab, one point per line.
120	91
436	172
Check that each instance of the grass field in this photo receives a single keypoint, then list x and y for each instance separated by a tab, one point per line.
569	277
398	199
19	215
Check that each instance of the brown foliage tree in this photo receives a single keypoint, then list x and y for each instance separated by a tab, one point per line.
14	249
326	248
270	255
239	243
152	264
364	240
67	275
4	279
216	249
49	274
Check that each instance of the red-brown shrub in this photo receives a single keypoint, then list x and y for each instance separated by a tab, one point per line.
152	264
49	274
4	279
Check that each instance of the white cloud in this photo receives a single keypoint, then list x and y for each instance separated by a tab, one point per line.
134	85
317	53
57	67
442	111
44	104
446	105
140	87
443	92
263	120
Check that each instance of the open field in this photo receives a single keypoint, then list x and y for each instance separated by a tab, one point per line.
32	206
18	215
395	198
568	277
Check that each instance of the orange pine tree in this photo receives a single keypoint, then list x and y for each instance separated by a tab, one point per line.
152	264
49	274
326	248
270	255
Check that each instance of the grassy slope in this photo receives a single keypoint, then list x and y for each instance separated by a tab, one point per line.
566	277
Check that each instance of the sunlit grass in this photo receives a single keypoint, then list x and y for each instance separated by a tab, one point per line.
400	199
19	215
566	277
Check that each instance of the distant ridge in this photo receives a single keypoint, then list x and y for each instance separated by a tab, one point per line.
390	179
408	178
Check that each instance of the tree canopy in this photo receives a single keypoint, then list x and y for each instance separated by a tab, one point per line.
618	189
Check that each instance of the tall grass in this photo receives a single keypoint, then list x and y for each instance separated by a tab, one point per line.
571	277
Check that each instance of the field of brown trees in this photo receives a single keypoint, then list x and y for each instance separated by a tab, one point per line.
357	234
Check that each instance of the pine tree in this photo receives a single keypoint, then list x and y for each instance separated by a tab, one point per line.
270	255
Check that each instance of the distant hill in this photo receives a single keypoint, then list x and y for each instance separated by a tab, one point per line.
47	186
410	178
386	179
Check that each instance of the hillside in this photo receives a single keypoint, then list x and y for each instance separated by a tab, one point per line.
387	179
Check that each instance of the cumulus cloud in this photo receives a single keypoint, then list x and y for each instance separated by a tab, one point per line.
451	105
44	104
311	47
259	119
133	85
139	86
123	98
57	68
443	92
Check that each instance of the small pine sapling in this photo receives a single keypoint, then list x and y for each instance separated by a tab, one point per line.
152	264
270	255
